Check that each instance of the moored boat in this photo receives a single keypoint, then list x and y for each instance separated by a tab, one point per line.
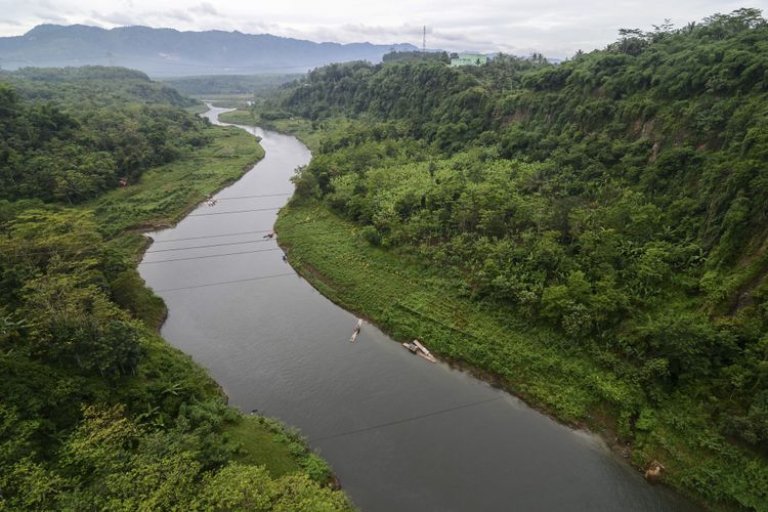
417	348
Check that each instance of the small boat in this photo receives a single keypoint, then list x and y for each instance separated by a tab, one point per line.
356	331
417	348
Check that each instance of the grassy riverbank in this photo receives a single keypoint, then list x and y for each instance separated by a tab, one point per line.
595	242
409	300
310	133
166	194
243	117
103	414
162	197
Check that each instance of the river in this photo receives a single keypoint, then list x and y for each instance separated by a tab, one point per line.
402	434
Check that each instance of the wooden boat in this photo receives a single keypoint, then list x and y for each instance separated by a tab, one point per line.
417	348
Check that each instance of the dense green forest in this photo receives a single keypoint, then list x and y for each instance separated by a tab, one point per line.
69	135
97	411
612	206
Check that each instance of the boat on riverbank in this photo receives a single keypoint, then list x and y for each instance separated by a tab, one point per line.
417	348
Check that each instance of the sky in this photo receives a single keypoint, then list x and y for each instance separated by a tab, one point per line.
555	28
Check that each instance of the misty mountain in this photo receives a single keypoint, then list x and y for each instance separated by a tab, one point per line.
169	52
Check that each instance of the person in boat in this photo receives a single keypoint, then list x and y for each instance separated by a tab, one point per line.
269	235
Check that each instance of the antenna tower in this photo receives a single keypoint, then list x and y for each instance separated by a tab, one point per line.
424	41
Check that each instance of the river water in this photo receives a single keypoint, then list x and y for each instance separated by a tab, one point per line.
402	434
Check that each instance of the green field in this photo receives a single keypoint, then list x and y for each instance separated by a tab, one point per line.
243	117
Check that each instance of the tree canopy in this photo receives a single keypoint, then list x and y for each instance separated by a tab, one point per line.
97	411
71	134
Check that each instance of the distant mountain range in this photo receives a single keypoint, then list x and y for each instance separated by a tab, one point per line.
164	52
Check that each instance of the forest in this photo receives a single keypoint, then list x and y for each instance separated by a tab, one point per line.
97	411
70	135
613	207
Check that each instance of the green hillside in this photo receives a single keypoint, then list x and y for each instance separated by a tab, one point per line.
607	215
97	411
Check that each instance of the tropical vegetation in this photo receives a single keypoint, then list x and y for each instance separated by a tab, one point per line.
97	411
592	234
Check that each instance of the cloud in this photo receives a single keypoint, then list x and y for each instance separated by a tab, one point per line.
403	33
174	18
51	17
11	23
204	8
177	15
405	30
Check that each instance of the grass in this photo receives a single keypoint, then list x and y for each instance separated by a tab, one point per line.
198	108
166	194
260	443
311	133
244	117
410	300
162	197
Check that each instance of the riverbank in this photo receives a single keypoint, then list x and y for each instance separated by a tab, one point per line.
164	196
241	117
308	132
409	300
167	193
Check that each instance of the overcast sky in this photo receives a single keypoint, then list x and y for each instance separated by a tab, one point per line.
556	28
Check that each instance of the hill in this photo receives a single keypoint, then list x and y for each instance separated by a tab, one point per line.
168	52
590	234
97	411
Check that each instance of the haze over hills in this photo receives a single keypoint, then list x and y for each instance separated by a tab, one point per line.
169	52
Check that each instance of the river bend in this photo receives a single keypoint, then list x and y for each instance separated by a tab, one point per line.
402	434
